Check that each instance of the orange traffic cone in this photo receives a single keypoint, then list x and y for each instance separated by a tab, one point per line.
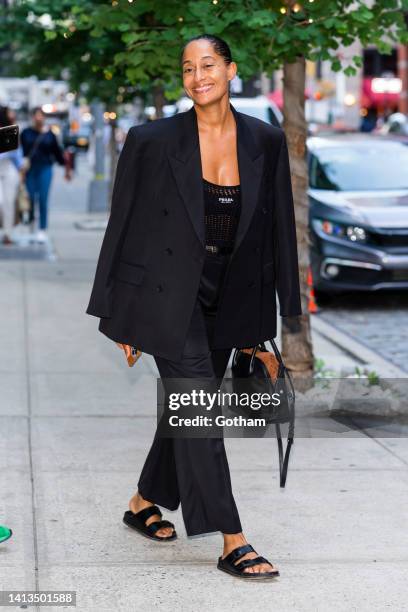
312	306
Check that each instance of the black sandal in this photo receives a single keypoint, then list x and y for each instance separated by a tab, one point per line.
228	564
138	522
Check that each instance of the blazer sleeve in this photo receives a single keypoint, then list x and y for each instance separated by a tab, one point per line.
100	303
284	237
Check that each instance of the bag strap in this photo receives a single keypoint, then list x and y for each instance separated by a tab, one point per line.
283	460
251	363
262	346
276	351
36	144
284	368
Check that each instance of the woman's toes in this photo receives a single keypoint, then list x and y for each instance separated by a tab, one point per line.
261	568
165	532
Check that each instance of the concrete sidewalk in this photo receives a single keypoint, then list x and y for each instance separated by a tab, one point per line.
77	423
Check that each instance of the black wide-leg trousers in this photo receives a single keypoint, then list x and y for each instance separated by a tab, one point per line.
195	471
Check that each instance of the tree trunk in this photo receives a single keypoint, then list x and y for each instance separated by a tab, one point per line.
297	348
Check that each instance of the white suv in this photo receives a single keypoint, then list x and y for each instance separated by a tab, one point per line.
259	107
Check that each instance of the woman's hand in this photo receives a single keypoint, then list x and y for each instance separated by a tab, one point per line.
126	348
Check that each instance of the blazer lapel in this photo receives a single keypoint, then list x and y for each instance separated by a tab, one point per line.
185	160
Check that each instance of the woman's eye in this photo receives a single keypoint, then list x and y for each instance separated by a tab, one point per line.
205	66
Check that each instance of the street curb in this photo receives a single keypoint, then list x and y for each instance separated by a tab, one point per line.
361	353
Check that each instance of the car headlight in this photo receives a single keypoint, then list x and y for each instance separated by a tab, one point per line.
354	233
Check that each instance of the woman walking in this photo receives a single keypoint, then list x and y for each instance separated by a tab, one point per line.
201	233
41	147
11	163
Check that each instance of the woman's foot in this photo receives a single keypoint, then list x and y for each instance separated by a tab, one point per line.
41	236
7	240
232	541
137	503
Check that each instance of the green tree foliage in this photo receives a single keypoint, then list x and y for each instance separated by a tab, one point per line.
122	47
136	44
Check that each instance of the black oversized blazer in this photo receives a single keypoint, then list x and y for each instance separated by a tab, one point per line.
153	251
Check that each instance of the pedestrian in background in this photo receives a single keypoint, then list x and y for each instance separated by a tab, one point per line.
11	163
41	150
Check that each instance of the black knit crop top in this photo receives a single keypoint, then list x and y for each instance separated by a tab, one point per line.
222	212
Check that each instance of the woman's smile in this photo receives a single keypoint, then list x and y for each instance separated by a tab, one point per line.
202	89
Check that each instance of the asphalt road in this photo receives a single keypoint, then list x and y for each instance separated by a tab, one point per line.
377	320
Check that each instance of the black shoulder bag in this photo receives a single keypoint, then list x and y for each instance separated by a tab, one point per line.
257	370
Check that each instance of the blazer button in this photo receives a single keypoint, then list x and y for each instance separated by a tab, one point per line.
159	288
168	251
257	250
264	210
165	211
251	284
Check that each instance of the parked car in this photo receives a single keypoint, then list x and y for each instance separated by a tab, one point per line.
396	127
397	123
78	139
358	193
259	107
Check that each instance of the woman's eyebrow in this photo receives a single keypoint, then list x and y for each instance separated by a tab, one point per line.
204	57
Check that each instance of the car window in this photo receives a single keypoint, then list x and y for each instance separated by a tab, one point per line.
354	168
265	113
272	117
254	111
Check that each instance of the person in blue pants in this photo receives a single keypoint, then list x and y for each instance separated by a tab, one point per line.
40	145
